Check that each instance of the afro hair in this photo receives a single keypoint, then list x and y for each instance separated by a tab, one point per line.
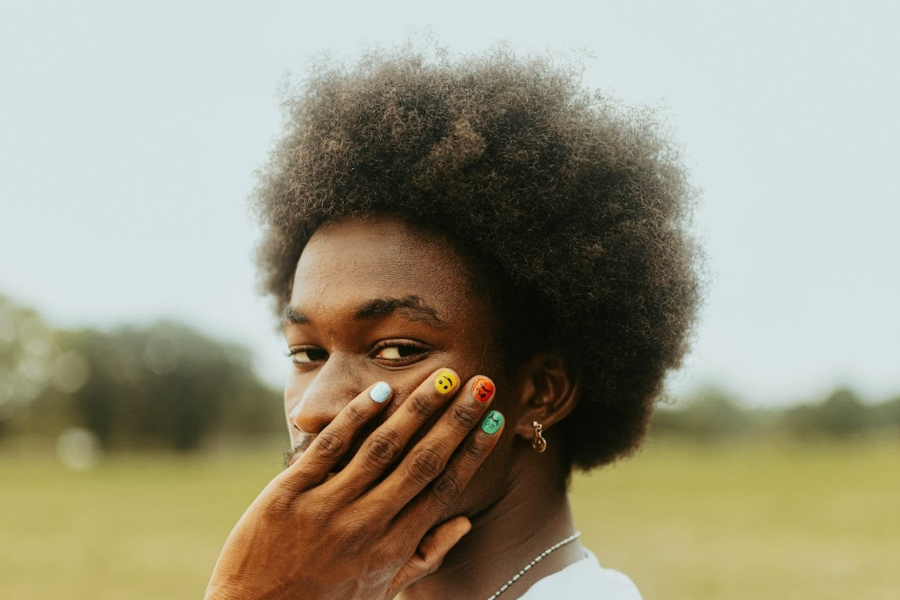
579	200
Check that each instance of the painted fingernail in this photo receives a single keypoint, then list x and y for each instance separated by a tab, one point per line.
483	389
492	422
380	392
446	381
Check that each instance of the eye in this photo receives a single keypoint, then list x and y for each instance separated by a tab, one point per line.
398	353
306	355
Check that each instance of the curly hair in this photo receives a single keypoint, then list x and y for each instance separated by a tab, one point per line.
580	201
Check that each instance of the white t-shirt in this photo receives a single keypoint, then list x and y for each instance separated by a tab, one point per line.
584	580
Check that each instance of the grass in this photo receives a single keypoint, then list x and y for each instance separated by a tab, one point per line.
730	522
750	521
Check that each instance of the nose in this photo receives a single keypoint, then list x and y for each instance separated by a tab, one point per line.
313	404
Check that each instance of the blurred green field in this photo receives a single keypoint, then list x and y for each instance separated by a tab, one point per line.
730	522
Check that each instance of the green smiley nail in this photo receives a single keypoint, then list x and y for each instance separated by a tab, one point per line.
492	423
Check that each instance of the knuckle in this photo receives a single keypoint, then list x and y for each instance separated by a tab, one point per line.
353	534
382	450
426	464
473	448
329	444
420	406
355	415
462	417
281	502
447	489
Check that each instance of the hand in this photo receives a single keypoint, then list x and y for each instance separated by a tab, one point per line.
367	531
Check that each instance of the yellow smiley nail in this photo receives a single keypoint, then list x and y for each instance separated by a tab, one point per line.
446	381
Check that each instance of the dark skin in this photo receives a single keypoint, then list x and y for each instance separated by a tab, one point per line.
378	497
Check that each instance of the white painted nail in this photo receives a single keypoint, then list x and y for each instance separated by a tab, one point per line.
380	392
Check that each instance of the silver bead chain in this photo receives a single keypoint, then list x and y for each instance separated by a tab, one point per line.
518	575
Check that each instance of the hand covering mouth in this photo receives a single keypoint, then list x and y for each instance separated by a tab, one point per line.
303	444
306	439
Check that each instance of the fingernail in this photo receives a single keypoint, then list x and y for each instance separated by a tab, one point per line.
446	381
380	392
492	422
483	389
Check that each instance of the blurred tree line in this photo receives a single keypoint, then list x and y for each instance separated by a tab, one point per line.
712	414
160	385
167	385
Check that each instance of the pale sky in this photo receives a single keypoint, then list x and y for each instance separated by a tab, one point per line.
130	132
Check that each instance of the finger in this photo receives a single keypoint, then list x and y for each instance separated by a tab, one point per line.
430	554
315	463
388	442
449	486
429	456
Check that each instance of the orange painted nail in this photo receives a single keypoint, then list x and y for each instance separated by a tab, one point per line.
483	389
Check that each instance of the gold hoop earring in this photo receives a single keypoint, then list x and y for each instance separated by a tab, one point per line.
539	443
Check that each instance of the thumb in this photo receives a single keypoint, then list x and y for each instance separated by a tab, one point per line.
430	553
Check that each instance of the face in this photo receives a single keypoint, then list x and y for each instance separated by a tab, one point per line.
380	300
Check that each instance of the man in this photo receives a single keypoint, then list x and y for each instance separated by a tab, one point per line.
484	275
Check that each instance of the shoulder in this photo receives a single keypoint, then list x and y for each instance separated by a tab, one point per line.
584	580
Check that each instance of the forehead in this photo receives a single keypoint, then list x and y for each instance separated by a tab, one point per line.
348	262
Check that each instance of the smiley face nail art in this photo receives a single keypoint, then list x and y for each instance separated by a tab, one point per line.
483	389
492	422
446	382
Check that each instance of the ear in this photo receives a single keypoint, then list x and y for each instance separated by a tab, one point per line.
549	392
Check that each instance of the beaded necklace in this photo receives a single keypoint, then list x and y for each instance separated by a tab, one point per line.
537	559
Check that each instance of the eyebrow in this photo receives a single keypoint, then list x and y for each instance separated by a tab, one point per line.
412	307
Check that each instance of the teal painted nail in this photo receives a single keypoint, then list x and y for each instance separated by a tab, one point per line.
492	423
380	392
